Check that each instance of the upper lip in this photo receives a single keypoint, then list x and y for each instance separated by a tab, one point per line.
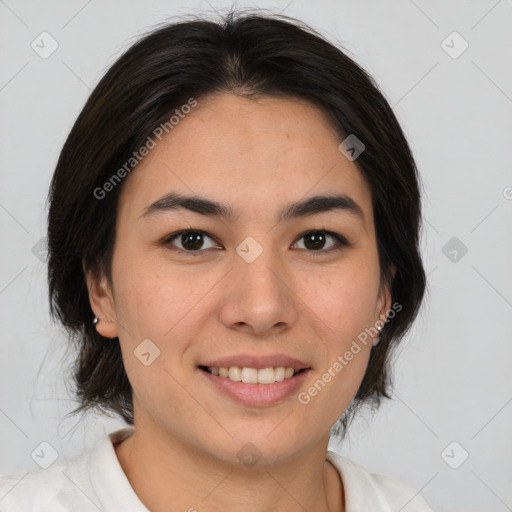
258	362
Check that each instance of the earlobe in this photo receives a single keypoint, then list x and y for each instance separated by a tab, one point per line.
102	304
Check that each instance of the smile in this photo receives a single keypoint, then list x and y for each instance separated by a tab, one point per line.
253	375
243	386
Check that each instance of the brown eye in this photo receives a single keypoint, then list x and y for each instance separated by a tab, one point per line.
321	241
191	241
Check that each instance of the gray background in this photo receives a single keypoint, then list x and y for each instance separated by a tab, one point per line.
452	377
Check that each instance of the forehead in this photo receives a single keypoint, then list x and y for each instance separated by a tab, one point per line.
250	154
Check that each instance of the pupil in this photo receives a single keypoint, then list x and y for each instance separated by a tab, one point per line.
315	241
192	241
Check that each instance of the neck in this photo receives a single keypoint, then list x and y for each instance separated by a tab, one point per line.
164	472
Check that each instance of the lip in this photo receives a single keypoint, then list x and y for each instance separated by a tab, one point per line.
255	395
259	362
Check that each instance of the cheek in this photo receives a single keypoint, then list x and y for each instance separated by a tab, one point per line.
148	296
153	310
344	299
344	306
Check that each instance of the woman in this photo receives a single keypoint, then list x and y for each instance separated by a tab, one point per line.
233	246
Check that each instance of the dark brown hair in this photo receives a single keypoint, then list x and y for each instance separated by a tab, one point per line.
247	54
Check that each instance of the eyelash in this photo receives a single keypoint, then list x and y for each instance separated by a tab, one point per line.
341	241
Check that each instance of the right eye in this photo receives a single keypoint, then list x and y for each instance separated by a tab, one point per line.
190	240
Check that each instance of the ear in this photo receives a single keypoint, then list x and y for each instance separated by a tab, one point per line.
102	302
384	301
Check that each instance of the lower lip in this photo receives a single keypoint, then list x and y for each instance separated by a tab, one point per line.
256	395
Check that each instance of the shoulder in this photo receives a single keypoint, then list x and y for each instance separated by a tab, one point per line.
91	481
364	490
63	486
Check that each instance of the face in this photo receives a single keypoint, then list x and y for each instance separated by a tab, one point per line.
254	278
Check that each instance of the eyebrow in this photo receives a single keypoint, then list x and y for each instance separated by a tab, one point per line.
311	206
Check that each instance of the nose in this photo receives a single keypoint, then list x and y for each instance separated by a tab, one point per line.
259	299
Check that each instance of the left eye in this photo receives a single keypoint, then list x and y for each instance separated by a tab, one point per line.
316	241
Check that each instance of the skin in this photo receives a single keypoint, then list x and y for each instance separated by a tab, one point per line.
255	156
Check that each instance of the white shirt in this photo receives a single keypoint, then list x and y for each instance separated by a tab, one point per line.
94	481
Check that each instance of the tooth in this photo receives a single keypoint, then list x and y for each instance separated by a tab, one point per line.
266	376
249	375
288	373
235	373
253	375
279	373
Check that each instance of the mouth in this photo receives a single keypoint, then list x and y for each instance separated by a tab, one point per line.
249	386
255	380
251	375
